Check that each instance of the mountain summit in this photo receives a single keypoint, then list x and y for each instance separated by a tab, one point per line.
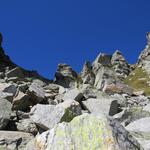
106	106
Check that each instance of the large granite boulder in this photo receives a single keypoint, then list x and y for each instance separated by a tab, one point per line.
87	132
5	112
47	116
140	129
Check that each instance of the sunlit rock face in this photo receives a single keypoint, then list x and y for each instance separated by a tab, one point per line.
144	58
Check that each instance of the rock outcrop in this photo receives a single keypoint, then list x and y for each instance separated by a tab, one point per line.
66	76
144	58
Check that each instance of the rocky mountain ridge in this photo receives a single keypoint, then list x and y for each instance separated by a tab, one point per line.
106	106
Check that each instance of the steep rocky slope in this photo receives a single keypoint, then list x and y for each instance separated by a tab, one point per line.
105	107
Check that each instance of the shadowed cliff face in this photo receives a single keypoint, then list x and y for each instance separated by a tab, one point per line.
5	62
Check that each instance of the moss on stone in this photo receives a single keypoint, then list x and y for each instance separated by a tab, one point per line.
138	80
68	115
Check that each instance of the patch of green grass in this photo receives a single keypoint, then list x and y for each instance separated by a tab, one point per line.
138	80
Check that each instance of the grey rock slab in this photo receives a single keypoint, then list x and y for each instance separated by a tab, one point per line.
140	129
13	140
142	126
5	112
74	94
47	116
36	93
27	125
101	106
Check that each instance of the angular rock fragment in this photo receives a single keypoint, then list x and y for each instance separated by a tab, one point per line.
74	94
5	112
47	116
21	102
36	93
11	140
101	106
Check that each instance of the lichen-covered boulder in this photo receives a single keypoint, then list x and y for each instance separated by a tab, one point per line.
87	132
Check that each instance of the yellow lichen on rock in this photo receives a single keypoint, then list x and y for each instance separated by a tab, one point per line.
86	132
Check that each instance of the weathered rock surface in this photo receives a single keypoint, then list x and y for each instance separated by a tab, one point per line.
87	74
144	58
7	91
21	102
87	132
27	125
47	116
66	76
36	93
120	65
10	140
130	115
74	94
5	112
101	106
140	129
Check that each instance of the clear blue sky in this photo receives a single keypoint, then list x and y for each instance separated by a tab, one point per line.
39	34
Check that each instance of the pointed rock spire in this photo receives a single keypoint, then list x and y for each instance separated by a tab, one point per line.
120	65
65	76
101	60
87	74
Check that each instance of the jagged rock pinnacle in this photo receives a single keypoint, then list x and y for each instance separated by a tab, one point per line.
144	58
